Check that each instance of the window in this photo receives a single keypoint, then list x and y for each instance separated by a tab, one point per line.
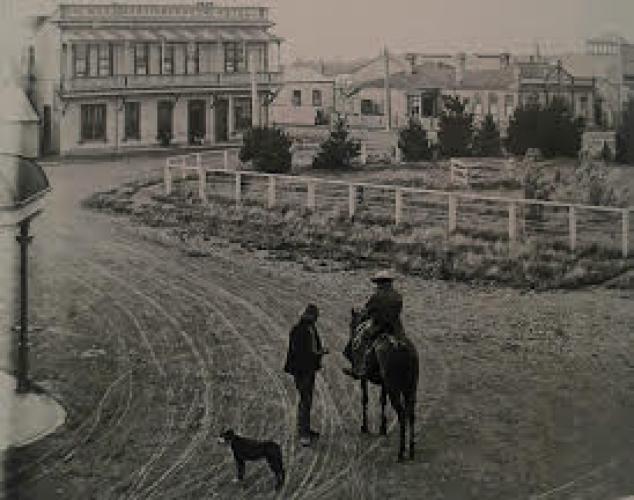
414	105
105	59
428	105
509	104
234	57
191	59
93	122
493	104
141	59
81	60
369	107
167	67
583	106
317	102
297	98
165	118
132	121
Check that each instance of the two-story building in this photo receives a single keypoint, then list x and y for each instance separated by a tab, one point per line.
116	76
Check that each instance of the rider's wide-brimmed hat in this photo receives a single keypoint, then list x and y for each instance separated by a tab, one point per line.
382	276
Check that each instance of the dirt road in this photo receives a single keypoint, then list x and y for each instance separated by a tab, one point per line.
153	353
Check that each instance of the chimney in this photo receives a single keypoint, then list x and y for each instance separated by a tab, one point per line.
505	60
322	67
461	66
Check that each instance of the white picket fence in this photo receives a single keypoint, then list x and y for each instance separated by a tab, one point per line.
571	224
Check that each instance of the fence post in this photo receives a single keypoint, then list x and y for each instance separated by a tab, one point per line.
167	177
202	184
226	159
271	201
512	225
238	189
451	172
184	168
352	200
626	233
572	227
398	207
310	201
399	156
453	210
364	153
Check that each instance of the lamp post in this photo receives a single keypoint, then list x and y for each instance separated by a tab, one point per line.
22	368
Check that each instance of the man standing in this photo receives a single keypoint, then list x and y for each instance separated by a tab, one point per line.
303	361
384	309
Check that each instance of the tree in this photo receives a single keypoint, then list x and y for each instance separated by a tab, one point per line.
625	136
553	129
268	148
338	151
487	139
455	134
413	142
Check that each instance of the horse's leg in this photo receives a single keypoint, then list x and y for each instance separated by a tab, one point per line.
364	401
411	413
397	404
383	403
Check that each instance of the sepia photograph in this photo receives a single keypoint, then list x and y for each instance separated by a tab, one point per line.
317	249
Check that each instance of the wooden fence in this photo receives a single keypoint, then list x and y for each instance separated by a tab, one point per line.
566	224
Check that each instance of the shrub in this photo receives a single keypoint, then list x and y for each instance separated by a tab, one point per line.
455	134
414	143
592	184
338	151
268	148
553	130
625	136
487	139
537	186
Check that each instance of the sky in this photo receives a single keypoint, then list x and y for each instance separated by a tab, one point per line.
360	28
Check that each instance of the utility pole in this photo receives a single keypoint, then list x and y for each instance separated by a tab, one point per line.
388	92
23	343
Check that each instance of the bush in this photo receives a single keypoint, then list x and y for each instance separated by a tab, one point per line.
455	134
625	136
592	183
413	142
553	130
487	139
338	151
269	149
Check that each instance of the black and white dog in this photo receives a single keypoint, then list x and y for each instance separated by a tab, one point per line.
245	450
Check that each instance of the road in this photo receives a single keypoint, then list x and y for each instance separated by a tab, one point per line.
154	353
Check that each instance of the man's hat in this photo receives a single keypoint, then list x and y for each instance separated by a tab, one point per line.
383	276
311	311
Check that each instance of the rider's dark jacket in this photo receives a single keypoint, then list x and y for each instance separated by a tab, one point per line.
304	349
384	307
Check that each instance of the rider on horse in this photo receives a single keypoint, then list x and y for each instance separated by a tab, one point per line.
384	309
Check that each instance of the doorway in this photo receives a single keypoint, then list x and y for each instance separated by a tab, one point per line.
197	120
46	131
164	121
221	117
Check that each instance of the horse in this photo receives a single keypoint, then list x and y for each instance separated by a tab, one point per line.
394	367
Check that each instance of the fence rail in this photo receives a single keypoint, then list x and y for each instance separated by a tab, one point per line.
568	224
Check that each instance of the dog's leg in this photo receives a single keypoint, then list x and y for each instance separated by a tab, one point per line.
240	467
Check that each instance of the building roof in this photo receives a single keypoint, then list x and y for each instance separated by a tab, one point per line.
305	74
15	106
433	76
22	181
588	65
